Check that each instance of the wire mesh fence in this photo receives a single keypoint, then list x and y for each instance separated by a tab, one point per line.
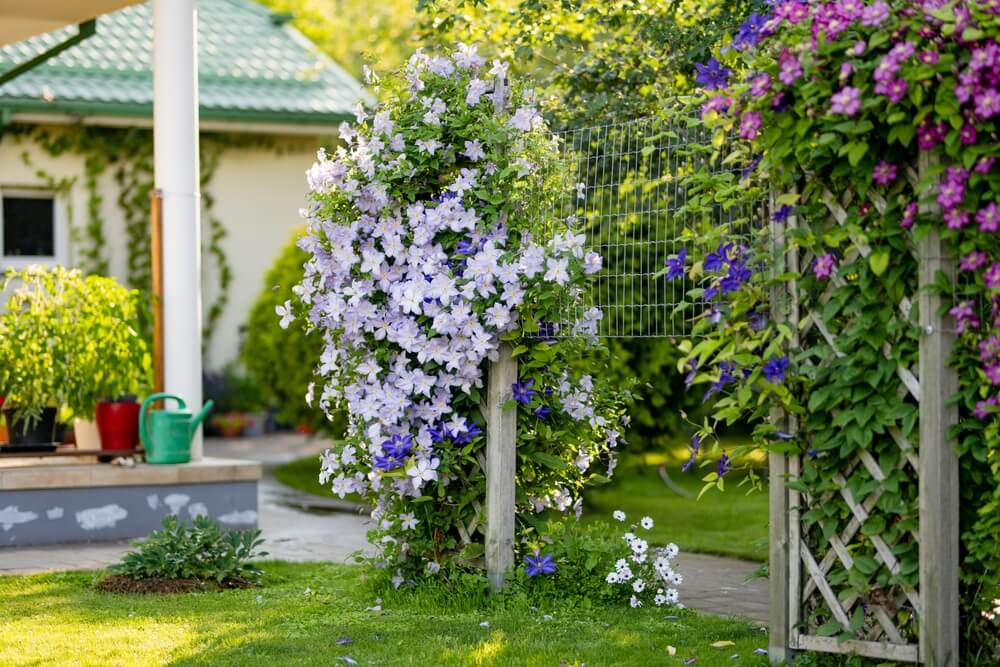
623	186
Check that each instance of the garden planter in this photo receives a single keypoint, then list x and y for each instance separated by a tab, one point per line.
229	425
39	436
87	435
254	424
118	424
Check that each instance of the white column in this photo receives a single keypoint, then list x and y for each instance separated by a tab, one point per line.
175	143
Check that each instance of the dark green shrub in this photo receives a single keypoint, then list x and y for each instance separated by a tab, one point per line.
201	551
281	361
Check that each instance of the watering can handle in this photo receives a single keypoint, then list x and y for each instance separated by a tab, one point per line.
143	434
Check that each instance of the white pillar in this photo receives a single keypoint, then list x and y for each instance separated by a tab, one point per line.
175	144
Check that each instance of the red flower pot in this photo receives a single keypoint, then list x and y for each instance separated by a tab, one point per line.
118	424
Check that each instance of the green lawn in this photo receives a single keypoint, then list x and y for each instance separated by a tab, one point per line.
303	609
729	524
303	474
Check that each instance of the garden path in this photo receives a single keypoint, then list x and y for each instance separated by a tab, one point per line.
712	584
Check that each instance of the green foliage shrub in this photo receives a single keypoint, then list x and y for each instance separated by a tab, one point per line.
201	551
281	361
69	340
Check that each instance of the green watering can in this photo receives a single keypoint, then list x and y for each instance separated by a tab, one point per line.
168	440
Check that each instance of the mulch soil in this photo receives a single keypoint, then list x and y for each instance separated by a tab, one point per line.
124	585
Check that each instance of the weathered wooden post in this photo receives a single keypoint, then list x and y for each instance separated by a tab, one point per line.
783	541
939	538
501	442
501	460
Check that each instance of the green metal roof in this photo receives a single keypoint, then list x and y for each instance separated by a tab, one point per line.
250	68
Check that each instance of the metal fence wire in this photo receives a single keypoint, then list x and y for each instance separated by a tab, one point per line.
622	185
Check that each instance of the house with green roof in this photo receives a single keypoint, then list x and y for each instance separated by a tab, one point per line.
76	149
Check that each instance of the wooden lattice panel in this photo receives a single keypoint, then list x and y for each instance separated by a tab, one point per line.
834	574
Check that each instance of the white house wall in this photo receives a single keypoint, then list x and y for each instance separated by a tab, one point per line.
257	191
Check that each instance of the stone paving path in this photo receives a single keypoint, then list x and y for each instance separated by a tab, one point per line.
712	584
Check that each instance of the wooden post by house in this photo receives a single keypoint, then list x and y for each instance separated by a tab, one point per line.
939	536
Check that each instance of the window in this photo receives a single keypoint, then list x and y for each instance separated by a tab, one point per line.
30	228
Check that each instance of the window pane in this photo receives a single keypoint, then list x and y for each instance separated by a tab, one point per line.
28	227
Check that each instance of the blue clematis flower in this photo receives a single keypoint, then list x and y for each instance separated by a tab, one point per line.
774	369
781	215
537	565
675	265
523	392
722	467
712	74
471	431
748	34
716	261
542	412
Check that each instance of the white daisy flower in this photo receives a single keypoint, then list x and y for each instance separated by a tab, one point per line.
647	522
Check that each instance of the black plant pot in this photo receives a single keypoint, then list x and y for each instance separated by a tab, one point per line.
40	432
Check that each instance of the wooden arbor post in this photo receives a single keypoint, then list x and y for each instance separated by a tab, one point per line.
938	484
501	442
501	464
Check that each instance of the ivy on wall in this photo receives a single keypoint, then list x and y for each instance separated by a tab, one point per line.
130	152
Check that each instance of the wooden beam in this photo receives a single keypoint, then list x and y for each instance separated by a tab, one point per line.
501	463
938	486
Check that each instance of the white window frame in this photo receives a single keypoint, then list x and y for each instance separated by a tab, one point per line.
60	232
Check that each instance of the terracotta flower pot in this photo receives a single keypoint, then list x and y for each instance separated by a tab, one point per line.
118	424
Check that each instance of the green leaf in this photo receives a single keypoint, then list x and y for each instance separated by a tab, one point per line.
857	151
829	629
550	461
879	262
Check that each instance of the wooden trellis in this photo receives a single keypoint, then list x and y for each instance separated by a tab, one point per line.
896	622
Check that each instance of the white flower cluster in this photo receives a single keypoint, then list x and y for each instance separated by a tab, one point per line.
413	293
646	571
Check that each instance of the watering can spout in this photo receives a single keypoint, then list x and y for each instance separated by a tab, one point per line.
200	417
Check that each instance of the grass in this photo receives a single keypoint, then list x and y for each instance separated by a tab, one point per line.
303	475
728	524
304	608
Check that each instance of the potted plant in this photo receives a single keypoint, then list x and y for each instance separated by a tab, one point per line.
69	341
35	338
238	402
110	363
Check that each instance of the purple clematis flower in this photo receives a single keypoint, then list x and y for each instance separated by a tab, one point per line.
712	75
781	215
675	265
847	101
723	467
537	564
543	412
694	447
523	392
774	369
